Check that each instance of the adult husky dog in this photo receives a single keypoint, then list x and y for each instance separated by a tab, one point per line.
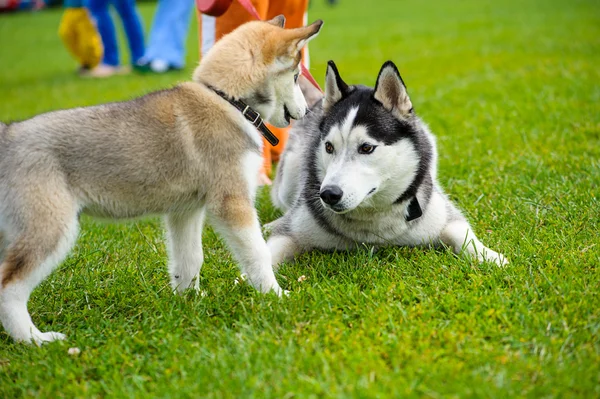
184	152
361	168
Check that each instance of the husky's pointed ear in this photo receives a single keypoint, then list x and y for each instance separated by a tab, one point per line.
391	92
335	87
278	21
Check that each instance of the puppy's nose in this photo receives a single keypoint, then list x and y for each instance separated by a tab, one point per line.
331	195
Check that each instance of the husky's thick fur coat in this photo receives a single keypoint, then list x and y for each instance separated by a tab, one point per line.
184	152
361	168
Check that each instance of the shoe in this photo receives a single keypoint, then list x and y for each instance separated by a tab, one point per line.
83	70
159	66
142	65
105	71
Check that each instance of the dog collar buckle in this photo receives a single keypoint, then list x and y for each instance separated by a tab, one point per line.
251	116
257	121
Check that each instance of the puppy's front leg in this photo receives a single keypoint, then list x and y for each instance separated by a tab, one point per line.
458	235
234	217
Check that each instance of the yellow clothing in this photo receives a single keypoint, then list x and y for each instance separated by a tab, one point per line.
80	36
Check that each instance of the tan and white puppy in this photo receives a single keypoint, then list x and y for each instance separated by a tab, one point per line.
184	152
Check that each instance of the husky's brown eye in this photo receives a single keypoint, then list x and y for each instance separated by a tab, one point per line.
366	148
329	147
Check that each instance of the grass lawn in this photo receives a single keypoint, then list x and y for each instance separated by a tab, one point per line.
512	90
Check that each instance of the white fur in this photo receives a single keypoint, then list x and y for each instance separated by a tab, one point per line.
360	176
252	132
284	92
184	246
460	231
251	164
13	299
282	248
251	251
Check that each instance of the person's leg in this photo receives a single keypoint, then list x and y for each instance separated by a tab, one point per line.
106	29
169	32
133	27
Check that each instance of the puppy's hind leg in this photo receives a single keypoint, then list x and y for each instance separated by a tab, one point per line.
458	235
38	248
184	244
234	217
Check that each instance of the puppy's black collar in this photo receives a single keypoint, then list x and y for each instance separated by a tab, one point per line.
251	115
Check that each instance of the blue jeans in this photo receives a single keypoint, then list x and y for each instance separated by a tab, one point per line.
169	32
131	22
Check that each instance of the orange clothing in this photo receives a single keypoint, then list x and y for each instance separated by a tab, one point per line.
213	28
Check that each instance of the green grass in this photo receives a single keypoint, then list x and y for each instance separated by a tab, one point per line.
512	90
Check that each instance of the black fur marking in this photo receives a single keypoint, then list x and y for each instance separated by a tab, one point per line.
384	127
423	148
426	189
258	98
341	85
312	189
381	124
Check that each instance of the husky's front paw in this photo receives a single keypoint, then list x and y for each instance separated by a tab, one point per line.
40	338
277	290
488	255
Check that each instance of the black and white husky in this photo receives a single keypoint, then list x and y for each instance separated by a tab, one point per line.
361	168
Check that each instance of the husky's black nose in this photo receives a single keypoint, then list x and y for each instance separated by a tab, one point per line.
331	195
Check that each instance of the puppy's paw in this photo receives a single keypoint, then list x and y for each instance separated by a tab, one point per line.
278	290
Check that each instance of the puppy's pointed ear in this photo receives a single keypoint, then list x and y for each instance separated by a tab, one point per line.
288	43
278	21
335	87
306	34
391	92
